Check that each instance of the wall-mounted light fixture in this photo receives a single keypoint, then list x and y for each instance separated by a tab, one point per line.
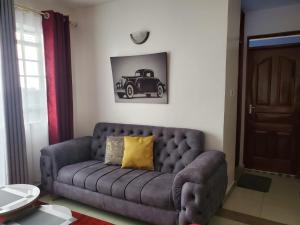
139	37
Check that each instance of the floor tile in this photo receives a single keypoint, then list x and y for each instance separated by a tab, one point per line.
281	211
223	221
245	201
282	202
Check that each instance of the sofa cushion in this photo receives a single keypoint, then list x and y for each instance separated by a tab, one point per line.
69	174
114	150
138	153
150	188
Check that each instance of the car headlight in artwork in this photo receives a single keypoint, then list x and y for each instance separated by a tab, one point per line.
119	84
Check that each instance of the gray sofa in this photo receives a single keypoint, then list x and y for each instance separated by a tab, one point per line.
187	186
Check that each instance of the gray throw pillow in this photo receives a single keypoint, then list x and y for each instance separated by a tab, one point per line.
114	150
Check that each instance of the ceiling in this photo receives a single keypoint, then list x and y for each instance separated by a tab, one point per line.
84	2
247	5
76	3
250	5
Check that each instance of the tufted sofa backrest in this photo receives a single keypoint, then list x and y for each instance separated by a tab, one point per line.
174	148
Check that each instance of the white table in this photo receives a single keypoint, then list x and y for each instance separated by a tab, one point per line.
43	215
16	197
14	205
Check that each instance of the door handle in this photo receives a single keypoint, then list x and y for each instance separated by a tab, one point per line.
251	109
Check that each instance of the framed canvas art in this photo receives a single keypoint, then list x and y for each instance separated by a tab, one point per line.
140	78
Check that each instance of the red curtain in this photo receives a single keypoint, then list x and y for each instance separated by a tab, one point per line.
58	76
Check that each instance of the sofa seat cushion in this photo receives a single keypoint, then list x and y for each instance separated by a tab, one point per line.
150	188
70	174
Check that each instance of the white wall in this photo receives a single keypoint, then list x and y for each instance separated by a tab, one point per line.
274	20
232	57
194	35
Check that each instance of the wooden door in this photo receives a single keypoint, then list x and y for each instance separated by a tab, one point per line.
273	106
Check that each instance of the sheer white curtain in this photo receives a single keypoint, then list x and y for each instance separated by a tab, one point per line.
3	149
30	48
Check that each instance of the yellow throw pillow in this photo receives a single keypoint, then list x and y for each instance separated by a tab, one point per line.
138	153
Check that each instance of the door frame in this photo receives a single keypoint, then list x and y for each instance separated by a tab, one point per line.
239	90
243	89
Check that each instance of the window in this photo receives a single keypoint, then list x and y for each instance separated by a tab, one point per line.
3	149
30	48
149	74
31	67
273	41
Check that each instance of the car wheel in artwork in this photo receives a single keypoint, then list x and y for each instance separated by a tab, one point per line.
160	91
129	91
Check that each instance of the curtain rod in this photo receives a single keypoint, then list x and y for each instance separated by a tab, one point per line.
44	14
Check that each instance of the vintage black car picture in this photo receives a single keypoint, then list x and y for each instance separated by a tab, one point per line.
140	79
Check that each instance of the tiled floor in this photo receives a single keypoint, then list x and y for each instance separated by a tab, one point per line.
223	221
281	204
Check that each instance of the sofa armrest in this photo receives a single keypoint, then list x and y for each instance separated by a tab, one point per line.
199	189
54	157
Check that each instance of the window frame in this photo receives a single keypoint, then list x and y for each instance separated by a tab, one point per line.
41	75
